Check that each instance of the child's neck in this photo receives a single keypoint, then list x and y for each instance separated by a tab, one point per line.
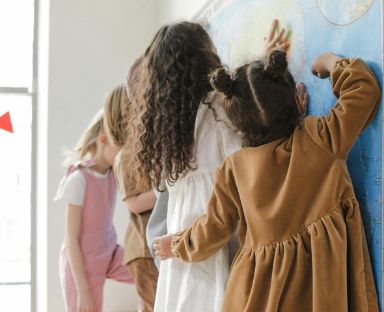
100	165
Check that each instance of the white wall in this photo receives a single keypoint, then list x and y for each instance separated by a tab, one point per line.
91	46
174	10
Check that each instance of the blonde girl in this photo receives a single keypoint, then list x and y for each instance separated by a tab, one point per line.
90	253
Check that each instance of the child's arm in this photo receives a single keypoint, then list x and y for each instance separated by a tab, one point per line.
358	97
211	231
141	203
73	222
136	202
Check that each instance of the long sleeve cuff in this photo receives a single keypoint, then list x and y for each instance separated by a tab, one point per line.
175	243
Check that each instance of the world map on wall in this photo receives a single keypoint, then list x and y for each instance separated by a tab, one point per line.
350	28
343	12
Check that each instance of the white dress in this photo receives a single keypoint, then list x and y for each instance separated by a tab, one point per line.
200	286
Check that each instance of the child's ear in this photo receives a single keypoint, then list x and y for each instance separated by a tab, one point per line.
102	138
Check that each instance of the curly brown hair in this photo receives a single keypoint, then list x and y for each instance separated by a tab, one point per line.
179	61
130	174
259	99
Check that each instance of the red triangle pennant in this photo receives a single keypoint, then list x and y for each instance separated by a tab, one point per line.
5	122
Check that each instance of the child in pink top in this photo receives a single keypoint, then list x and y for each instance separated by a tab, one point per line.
90	253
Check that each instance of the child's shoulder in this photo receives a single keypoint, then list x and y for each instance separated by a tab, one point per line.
238	156
72	187
75	177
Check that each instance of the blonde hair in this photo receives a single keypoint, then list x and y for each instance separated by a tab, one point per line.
87	145
115	104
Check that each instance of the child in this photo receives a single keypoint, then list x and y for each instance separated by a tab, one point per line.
186	136
302	240
89	253
117	118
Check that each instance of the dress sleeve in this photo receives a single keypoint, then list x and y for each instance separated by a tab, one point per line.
74	189
358	95
213	230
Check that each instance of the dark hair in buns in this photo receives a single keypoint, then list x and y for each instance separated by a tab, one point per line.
276	63
262	105
221	81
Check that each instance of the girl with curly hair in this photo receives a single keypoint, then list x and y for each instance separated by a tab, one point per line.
303	246
186	136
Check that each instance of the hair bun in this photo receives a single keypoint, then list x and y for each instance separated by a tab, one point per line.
221	81
276	62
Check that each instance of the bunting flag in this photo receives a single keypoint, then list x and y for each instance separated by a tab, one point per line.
5	122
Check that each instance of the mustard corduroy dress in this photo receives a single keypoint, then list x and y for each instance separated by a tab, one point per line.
303	246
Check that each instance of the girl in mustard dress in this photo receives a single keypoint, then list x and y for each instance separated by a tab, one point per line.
302	239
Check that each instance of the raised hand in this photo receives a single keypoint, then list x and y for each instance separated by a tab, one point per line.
323	64
276	39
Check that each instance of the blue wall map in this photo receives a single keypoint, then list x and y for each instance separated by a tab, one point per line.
351	28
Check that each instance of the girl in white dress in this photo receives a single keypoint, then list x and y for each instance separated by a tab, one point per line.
186	135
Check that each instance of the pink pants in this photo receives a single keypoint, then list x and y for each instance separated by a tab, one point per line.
113	270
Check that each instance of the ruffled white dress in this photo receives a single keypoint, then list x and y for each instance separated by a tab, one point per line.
187	287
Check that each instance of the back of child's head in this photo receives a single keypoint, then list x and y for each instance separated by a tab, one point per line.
179	47
260	99
115	103
87	145
178	62
124	107
133	112
136	76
